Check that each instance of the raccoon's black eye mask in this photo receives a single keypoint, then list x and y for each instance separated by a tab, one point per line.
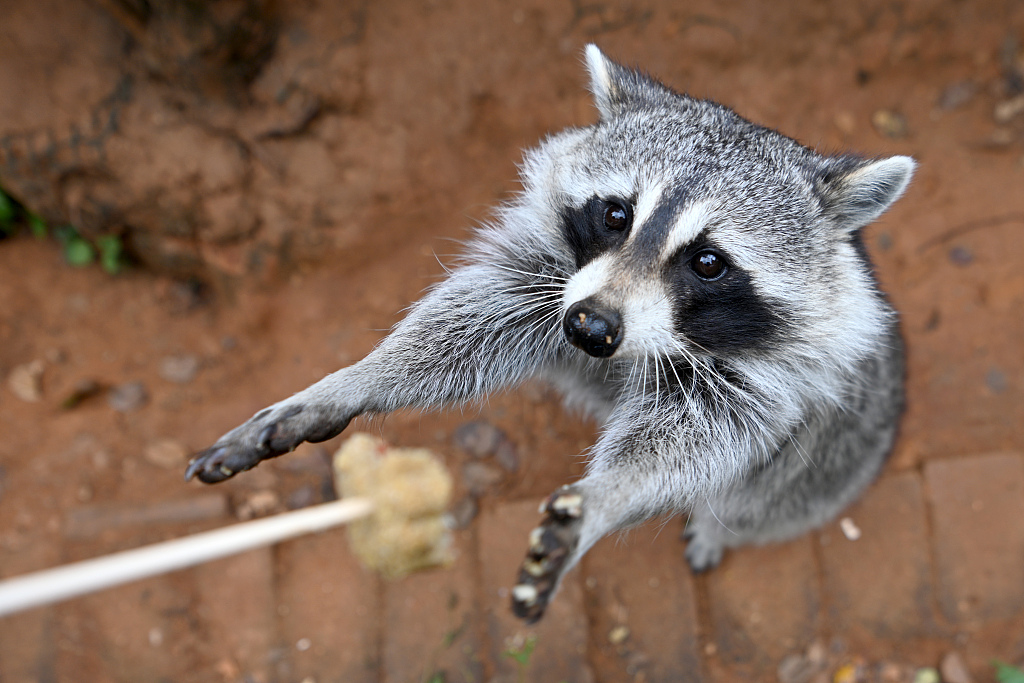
597	226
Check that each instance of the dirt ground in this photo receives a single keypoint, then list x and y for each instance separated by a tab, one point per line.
276	240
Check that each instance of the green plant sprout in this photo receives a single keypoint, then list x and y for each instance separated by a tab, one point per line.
78	250
8	212
522	655
1007	673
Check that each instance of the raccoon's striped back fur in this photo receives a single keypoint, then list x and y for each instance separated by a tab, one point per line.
694	281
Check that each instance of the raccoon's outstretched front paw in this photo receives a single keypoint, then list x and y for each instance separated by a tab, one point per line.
272	432
702	553
551	545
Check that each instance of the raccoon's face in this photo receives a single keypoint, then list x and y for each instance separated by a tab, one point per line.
668	259
695	232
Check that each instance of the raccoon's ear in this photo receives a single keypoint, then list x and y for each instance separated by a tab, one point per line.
856	192
614	86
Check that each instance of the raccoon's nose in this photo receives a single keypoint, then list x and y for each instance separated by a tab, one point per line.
593	327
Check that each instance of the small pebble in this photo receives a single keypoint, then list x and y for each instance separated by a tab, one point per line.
303	644
180	369
507	456
618	635
1007	110
848	673
846	122
227	669
954	669
156	637
961	256
890	672
83	389
184	297
56	356
128	397
301	497
166	453
956	95
797	669
999	139
26	381
995	379
258	504
463	513
479	477
889	123
849	529
479	439
817	652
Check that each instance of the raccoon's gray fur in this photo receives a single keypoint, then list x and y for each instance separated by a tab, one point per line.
697	283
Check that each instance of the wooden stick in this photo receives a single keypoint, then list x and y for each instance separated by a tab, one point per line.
53	585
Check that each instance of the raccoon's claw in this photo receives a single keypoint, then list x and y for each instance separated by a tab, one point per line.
269	434
551	544
218	463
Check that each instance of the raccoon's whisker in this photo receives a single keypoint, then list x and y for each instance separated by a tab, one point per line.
643	386
657	381
524	310
633	386
705	375
713	514
531	303
672	366
550	331
437	258
699	347
541	288
550	334
803	454
542	276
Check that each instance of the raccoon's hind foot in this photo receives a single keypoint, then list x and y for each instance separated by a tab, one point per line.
270	433
551	545
703	551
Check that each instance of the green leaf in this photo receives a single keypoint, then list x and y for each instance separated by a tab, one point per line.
37	225
522	655
78	252
110	253
6	212
1007	673
65	234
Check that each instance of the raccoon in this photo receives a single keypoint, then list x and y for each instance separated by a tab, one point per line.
695	282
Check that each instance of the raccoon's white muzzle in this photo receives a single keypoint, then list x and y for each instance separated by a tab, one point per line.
633	309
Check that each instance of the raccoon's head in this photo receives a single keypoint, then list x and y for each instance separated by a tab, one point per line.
693	231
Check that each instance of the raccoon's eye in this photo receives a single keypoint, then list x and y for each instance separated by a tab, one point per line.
708	265
616	218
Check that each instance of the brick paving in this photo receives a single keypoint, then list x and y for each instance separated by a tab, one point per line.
764	602
977	509
882	583
939	559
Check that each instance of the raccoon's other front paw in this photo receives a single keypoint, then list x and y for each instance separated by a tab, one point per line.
272	432
551	545
702	553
